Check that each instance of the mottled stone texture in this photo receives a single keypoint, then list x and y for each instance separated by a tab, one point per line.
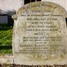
39	35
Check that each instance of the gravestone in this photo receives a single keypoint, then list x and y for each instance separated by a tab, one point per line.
3	19
39	35
6	19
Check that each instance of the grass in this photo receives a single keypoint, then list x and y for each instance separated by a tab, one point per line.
5	51
5	38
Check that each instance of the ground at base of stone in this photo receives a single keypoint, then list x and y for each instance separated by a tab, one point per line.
14	65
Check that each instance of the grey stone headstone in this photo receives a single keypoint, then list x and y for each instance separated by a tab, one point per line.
39	35
3	19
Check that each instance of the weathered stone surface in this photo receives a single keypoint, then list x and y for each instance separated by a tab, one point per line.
40	34
6	59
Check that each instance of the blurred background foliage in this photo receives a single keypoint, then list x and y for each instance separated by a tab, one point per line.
5	38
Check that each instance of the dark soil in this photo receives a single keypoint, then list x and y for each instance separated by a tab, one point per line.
14	65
